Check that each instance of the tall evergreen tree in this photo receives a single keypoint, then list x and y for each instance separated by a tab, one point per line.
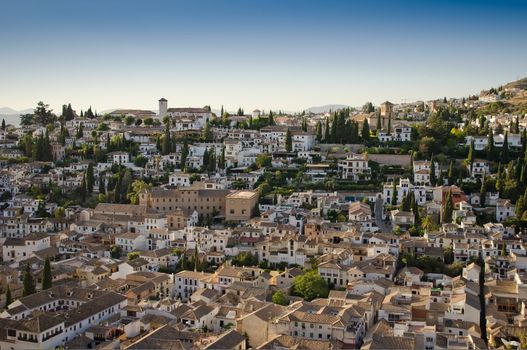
379	123
451	179
319	131
90	179
271	118
365	130
334	127
448	208
29	282
490	146
470	156
221	161
483	191
3	124
165	145
505	148
221	112
288	141
433	178
304	124
184	154
207	132
327	136
8	297
394	193
46	275
83	188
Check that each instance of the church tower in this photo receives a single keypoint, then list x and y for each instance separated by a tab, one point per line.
163	107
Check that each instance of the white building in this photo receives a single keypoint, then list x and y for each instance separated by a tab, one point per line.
355	167
504	209
402	189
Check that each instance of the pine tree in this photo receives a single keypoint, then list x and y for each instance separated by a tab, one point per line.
365	130
46	275
3	124
390	124
334	127
304	124
448	208
221	112
288	141
90	178
271	119
29	282
379	123
8	297
319	131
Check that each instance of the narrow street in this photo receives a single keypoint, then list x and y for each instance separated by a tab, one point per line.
379	219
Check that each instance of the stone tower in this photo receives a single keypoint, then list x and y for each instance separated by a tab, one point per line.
163	107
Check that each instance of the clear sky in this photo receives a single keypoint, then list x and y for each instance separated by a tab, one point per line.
280	54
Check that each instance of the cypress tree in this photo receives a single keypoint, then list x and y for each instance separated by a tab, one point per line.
8	297
390	124
271	118
415	210
184	154
29	282
288	141
101	185
46	275
319	131
394	195
221	161
334	132
165	145
433	179
365	130
470	156
379	123
82	188
505	148
490	146
448	208
3	124
451	172
327	136
483	192
90	178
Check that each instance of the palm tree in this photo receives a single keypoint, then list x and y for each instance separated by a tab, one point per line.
427	223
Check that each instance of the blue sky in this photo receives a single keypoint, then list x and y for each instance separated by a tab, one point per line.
280	54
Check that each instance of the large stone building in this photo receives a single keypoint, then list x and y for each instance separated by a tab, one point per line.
205	201
240	205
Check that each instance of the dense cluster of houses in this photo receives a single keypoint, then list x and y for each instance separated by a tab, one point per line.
121	276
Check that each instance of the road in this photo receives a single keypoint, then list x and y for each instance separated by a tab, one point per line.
379	220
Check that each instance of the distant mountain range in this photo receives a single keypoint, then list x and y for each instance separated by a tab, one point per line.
11	115
325	108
